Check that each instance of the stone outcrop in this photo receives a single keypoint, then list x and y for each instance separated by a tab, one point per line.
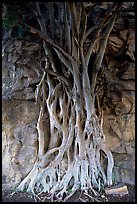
19	140
119	106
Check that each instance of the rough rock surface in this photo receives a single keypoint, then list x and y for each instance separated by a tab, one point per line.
119	108
19	140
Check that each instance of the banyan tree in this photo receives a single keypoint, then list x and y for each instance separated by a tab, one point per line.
71	147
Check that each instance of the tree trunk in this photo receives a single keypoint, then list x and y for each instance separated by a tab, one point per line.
72	159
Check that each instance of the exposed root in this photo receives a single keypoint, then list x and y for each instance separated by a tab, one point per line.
72	161
69	153
80	174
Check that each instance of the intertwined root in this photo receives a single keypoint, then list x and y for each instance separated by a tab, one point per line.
79	175
61	182
73	158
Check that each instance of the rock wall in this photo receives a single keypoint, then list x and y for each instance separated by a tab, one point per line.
19	111
119	103
19	140
20	74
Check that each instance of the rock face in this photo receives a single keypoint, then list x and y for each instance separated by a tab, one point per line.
20	74
19	140
119	107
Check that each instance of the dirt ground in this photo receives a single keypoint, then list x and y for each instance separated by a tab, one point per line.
77	197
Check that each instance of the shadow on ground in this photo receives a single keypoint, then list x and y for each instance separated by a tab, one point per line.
77	197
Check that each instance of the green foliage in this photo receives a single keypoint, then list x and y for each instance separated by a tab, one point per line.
8	22
69	190
14	189
10	19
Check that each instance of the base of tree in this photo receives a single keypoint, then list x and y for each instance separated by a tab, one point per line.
71	163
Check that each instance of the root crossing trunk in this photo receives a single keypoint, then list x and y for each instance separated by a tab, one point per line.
70	156
73	158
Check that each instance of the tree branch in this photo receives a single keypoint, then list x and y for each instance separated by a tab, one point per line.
90	30
86	86
75	34
67	30
38	88
65	62
62	78
47	39
52	25
100	54
108	15
84	26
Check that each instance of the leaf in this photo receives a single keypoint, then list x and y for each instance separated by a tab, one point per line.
69	190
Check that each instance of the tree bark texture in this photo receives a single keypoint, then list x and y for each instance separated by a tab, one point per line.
69	95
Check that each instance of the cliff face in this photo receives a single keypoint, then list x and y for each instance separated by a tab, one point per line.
19	140
119	114
19	112
20	74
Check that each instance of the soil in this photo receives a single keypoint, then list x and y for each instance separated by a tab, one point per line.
77	197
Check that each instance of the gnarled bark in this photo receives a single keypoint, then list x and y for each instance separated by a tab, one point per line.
76	133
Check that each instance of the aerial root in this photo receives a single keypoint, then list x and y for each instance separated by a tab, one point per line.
83	169
76	177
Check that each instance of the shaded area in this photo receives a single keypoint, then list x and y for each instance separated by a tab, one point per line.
77	197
